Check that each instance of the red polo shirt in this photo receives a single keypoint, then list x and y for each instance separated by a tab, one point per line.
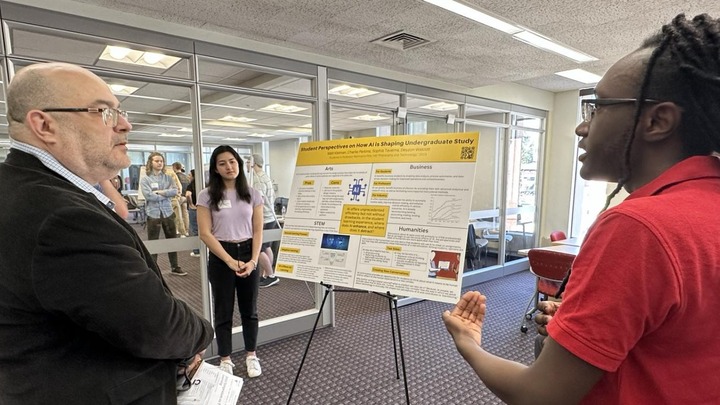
644	296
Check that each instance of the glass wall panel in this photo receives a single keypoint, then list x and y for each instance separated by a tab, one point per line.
479	113
485	208
239	75
351	122
356	93
54	45
423	124
434	106
273	128
523	161
4	139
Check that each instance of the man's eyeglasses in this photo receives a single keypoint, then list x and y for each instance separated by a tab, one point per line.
110	116
590	105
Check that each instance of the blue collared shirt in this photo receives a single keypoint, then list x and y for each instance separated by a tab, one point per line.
158	204
51	163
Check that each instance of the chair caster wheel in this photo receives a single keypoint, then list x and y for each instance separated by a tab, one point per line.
523	329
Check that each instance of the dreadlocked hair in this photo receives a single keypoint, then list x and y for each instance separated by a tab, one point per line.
684	68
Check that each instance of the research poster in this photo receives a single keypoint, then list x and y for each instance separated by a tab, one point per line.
381	214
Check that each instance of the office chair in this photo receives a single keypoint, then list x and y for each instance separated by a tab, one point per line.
473	249
522	223
557	235
550	269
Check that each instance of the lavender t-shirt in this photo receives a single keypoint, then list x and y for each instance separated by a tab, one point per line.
233	219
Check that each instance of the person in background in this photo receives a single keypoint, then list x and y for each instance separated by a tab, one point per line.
263	184
191	198
638	322
117	183
86	316
159	188
176	201
182	209
111	189
230	223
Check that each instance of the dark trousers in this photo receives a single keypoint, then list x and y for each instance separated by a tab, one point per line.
168	227
224	285
192	215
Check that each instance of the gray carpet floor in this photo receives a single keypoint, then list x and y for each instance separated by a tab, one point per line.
353	362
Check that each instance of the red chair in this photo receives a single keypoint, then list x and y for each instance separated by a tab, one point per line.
557	235
550	268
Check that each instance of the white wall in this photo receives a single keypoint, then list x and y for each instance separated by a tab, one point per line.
559	165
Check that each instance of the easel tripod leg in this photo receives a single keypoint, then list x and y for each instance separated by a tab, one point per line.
328	288
402	353
392	326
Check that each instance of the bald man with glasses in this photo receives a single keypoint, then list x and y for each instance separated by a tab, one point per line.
86	316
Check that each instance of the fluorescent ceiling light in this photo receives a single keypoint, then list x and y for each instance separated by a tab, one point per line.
282	108
368	117
234	139
121	89
172	135
441	106
476	15
516	31
579	75
134	57
353	92
306	126
256	135
544	43
237	119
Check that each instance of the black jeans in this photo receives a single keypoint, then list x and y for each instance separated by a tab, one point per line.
168	227
224	285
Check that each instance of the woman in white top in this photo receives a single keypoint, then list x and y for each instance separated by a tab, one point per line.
230	223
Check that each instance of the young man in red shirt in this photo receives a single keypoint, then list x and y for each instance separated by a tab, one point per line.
638	321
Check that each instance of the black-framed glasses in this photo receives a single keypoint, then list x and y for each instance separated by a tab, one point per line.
589	106
110	116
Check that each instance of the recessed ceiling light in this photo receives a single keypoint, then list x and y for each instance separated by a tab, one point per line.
233	118
282	108
352	92
134	57
152	57
369	117
121	89
118	52
580	75
441	106
256	135
234	139
172	135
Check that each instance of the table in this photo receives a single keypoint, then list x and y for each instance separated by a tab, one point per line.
569	242
571	249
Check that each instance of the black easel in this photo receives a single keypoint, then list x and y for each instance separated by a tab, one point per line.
392	301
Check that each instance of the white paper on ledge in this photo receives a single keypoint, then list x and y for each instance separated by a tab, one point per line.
211	386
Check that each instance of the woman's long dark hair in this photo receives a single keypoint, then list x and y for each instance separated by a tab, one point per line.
216	186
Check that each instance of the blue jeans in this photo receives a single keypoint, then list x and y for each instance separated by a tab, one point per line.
192	214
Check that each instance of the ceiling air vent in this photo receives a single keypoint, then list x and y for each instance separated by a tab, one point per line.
401	40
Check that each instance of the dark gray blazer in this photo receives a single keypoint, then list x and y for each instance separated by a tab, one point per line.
85	316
